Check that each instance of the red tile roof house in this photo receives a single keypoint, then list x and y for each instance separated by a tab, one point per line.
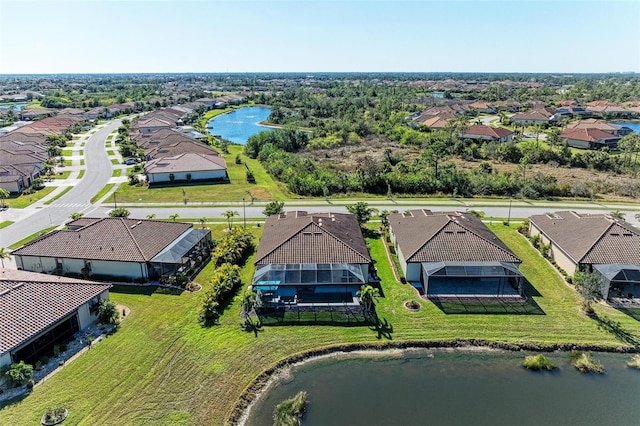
38	311
590	138
454	255
311	259
486	133
187	167
117	249
593	242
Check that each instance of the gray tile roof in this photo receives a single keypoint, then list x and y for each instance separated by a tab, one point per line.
119	239
298	237
31	302
187	162
425	236
591	238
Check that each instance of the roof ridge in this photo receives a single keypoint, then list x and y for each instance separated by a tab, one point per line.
122	220
340	240
595	243
296	232
489	241
409	256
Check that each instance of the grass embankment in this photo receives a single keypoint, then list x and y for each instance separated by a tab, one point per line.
102	192
29	239
163	367
265	188
6	223
64	191
22	201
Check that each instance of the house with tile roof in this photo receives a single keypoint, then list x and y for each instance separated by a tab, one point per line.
590	138
596	243
186	167
306	259
592	123
117	248
533	116
170	143
39	311
437	122
454	254
480	132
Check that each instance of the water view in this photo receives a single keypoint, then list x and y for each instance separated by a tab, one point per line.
440	387
16	107
237	126
633	125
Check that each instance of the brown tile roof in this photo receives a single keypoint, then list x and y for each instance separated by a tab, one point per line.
126	240
31	302
482	130
592	123
436	121
298	237
587	135
187	162
170	143
541	114
425	236
590	239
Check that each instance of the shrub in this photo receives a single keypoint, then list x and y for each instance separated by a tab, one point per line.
290	411
119	212
233	248
224	281
535	240
54	415
524	227
585	363
538	362
18	374
107	312
238	159
44	359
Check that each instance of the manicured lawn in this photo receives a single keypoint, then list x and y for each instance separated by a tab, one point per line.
67	153
110	152
114	161
102	192
64	191
162	367
117	172
5	223
62	175
31	238
68	162
81	174
82	161
22	201
265	187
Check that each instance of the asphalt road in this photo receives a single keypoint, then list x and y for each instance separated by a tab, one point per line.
97	175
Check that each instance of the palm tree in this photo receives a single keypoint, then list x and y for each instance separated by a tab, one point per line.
174	216
247	304
151	216
4	254
76	215
230	214
368	296
203	220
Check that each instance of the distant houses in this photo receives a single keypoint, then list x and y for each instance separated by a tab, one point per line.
453	254
533	116
589	138
40	311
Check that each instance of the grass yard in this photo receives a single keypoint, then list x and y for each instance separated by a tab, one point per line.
162	367
82	161
29	239
61	175
81	174
265	188
64	191
110	152
22	201
102	192
117	172
6	223
67	152
114	161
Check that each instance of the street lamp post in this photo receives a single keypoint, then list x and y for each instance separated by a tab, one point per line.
115	203
244	213
509	216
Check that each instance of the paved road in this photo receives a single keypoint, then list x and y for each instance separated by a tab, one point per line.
99	171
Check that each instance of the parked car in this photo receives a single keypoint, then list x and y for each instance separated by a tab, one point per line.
129	161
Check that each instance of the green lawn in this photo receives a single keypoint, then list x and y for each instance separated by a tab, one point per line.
265	188
114	161
67	152
82	161
64	191
102	192
62	175
110	152
117	172
6	223
162	367
68	162
81	174
22	201
28	239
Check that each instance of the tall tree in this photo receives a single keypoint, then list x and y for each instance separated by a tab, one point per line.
368	296
4	254
589	287
4	194
362	211
274	207
230	214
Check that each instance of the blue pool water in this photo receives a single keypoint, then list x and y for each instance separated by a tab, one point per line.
635	125
237	126
16	107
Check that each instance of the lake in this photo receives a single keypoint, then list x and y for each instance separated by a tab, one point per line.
17	107
457	387
633	125
237	126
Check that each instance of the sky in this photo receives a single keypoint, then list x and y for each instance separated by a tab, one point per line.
93	36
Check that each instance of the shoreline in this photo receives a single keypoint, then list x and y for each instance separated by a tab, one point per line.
263	382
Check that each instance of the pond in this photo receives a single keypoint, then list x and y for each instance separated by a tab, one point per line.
456	387
633	125
238	125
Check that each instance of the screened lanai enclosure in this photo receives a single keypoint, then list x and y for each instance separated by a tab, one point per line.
308	283
472	279
619	281
184	255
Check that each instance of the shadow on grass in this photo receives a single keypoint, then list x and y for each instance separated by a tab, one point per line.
383	329
14	400
616	329
633	313
252	327
492	307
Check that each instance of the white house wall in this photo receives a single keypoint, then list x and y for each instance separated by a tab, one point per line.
131	270
563	260
85	318
119	269
36	263
195	175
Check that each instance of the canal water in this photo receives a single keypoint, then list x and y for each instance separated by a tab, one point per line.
238	125
453	387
